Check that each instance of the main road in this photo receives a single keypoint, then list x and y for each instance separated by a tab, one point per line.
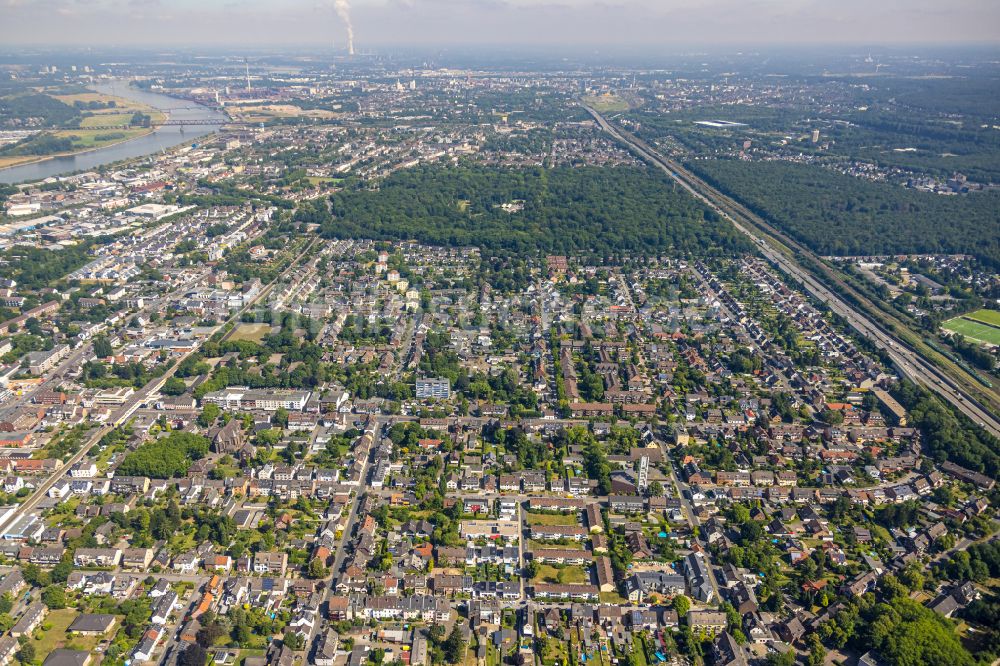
909	362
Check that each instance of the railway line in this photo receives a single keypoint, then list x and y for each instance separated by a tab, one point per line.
783	251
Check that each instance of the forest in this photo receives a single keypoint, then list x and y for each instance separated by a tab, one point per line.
836	214
45	110
870	137
602	213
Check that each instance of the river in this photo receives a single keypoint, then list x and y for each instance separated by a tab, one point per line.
164	137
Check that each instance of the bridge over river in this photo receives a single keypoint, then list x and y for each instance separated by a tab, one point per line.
186	122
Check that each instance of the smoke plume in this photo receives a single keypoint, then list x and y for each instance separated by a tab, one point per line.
343	9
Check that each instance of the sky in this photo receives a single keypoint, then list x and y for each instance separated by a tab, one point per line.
597	24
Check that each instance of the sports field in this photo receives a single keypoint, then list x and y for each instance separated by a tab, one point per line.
972	326
985	316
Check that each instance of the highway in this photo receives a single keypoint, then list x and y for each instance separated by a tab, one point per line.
909	362
125	411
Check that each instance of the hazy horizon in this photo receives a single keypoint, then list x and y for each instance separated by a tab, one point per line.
578	24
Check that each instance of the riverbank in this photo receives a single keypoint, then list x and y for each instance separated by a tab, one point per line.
139	142
37	159
91	127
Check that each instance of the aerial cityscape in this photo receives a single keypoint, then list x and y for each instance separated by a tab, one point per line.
502	334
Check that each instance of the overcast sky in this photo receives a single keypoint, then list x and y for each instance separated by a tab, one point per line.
561	23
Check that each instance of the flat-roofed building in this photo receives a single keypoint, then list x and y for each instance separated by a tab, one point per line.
435	388
508	530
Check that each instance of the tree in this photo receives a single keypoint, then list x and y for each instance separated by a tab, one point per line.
164	458
892	588
912	576
242	634
435	633
751	531
832	416
269	437
907	633
739	514
317	569
193	655
807	201
531	571
600	213
61	571
209	413
54	597
454	646
817	653
292	640
209	633
682	605
102	347
173	386
596	464
136	613
656	489
280	418
781	658
26	654
35	576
